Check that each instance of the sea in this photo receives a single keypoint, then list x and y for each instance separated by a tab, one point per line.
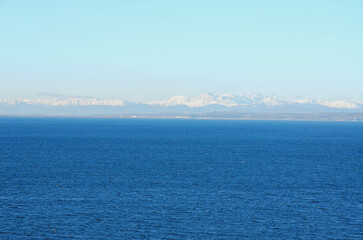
88	178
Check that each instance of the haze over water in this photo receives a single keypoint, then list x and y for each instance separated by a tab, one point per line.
180	179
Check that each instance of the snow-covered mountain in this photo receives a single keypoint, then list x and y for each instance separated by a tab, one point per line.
64	102
204	103
228	100
233	100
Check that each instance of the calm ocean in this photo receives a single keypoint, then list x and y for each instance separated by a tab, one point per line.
180	179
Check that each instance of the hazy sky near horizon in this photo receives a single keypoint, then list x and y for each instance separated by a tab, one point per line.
147	50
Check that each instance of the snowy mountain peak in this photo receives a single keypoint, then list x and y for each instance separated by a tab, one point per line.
65	102
338	104
202	100
232	100
226	99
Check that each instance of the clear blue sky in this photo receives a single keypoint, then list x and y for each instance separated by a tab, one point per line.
146	50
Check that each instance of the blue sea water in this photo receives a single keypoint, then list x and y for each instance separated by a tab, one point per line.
180	179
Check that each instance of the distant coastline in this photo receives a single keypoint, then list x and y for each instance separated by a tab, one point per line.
205	106
351	117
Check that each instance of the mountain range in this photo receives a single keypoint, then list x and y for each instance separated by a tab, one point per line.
204	104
